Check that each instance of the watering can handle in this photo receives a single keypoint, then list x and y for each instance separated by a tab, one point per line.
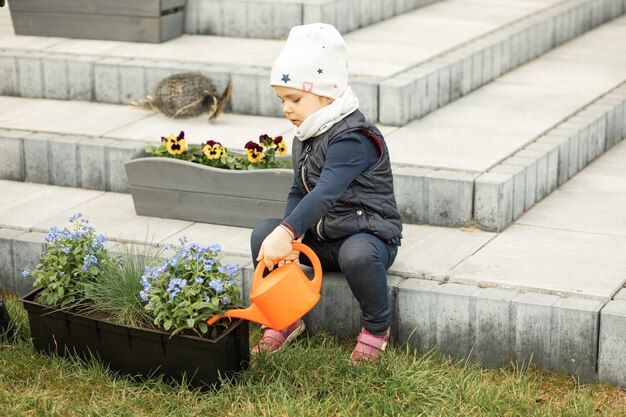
316	282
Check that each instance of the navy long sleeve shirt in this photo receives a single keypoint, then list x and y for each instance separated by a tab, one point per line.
347	156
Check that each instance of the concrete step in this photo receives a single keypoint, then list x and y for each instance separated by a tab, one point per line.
460	165
431	84
417	67
551	287
272	19
488	157
82	144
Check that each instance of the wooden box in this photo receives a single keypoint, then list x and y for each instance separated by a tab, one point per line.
121	20
175	189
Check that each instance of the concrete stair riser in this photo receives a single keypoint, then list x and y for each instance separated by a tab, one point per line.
274	19
465	321
20	249
337	312
549	161
418	91
436	197
66	160
612	349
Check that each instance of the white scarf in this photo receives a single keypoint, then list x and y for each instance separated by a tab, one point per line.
323	119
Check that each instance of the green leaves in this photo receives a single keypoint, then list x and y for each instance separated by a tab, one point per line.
203	327
71	260
189	288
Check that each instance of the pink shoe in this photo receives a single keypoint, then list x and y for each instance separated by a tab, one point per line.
368	347
273	340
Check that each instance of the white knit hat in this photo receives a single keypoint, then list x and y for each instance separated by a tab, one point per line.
314	60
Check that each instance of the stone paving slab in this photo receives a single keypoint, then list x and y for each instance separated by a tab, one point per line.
25	204
233	240
68	117
113	215
593	201
462	19
431	252
469	134
553	261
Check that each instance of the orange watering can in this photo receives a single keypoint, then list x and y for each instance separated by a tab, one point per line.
283	296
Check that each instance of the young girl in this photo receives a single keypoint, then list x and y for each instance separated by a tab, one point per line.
341	203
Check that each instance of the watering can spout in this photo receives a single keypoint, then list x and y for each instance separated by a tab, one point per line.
252	313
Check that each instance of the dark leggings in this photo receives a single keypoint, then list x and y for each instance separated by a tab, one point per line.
362	258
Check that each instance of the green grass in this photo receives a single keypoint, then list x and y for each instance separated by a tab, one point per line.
312	377
116	290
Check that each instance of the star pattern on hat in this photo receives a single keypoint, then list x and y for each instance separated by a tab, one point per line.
285	78
319	70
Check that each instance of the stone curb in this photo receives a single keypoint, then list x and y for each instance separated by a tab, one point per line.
426	87
274	19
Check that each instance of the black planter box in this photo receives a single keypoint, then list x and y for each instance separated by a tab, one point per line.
140	352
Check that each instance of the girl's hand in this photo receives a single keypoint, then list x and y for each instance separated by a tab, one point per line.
294	256
275	247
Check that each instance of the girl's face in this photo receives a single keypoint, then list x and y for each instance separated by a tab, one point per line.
298	105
